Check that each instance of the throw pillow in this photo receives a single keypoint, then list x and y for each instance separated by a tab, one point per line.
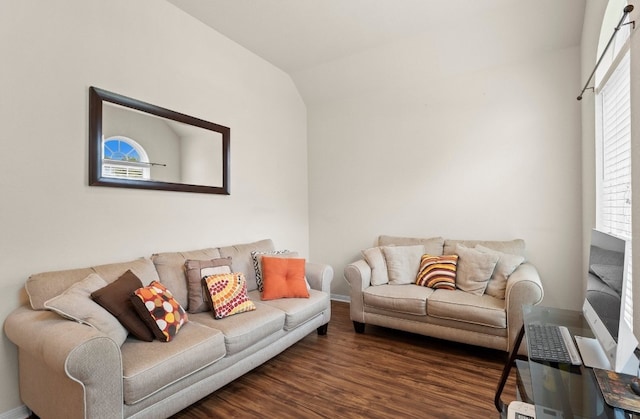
162	313
375	259
507	263
115	299
403	263
438	272
227	294
283	278
474	269
196	270
257	262
611	275
76	304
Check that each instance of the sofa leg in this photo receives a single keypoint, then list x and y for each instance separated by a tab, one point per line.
359	327
322	330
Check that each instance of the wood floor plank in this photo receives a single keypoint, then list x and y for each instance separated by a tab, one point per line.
382	373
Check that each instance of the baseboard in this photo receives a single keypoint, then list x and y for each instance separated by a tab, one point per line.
338	297
20	412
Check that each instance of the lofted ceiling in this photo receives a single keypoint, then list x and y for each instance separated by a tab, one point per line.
298	35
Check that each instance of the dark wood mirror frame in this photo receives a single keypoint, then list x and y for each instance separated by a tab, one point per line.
97	97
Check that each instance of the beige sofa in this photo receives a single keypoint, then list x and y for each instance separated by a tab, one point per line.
72	370
473	318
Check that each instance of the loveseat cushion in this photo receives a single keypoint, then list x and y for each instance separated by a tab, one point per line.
298	310
432	245
148	367
172	271
242	261
244	329
462	306
514	247
409	298
46	285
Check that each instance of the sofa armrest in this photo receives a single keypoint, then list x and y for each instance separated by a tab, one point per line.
319	276
61	350
358	275
523	288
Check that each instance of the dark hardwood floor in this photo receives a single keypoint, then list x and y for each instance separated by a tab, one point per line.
382	373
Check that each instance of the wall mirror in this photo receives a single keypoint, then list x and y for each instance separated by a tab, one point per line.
133	144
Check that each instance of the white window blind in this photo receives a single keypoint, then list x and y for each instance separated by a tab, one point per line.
122	171
615	196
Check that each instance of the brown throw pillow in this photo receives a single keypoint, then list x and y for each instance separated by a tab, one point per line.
115	298
196	270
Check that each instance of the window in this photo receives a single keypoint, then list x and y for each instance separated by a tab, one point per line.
124	158
613	148
615	152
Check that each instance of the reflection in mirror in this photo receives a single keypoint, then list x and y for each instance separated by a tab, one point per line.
134	144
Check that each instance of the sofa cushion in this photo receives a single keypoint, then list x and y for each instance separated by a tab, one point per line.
76	304
44	286
148	367
474	269
172	272
162	313
195	271
411	298
115	298
403	263
507	263
600	256
611	275
299	310
227	294
438	272
432	245
283	278
513	247
242	261
375	259
245	330
458	305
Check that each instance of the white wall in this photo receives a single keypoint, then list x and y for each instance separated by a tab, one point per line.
51	53
475	136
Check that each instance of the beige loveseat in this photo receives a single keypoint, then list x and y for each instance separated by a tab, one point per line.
477	318
72	370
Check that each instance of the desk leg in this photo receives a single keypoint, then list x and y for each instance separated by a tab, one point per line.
506	370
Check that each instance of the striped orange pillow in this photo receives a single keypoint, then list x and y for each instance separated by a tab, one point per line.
438	272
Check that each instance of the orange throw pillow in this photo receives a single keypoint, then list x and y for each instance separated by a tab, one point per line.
283	278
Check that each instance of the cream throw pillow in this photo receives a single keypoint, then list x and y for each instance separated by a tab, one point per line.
507	263
76	304
474	269
375	259
403	263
